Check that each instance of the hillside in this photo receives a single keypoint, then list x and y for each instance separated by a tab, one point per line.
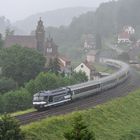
51	18
115	120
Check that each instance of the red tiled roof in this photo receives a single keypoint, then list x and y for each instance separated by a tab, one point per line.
124	35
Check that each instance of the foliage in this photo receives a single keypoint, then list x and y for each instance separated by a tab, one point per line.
20	63
7	85
47	81
132	135
17	100
9	32
10	129
1	42
54	66
109	121
79	131
124	57
98	41
79	77
4	23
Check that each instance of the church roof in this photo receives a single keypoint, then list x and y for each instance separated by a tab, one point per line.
23	40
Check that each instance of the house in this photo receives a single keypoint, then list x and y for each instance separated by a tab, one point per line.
65	65
89	41
124	37
88	68
91	56
125	34
129	29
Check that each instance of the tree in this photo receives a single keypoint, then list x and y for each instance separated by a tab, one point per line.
10	129
124	57
54	66
79	77
7	85
98	41
17	100
20	63
1	41
8	32
79	131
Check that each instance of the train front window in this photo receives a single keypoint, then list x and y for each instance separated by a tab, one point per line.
38	98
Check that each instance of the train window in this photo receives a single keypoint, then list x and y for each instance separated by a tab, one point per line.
38	98
50	98
46	98
87	88
58	98
108	82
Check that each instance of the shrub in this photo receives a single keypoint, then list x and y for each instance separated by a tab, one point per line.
7	85
17	100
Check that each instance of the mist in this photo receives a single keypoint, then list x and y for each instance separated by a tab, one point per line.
17	10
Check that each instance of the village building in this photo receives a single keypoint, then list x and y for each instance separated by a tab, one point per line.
39	42
91	56
88	68
125	35
65	65
89	41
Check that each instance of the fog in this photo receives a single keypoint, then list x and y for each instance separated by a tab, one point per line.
19	9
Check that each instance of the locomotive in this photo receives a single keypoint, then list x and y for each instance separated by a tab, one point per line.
62	95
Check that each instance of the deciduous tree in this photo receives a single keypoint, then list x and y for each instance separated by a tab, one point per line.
10	129
20	63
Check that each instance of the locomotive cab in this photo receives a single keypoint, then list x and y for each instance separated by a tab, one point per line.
40	100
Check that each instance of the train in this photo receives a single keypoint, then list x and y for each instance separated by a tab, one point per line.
45	99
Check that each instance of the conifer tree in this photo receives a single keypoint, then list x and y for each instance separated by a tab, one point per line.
79	131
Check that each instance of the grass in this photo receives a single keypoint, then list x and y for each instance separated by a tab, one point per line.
109	121
103	68
23	112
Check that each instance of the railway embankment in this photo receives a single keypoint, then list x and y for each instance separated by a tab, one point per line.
116	120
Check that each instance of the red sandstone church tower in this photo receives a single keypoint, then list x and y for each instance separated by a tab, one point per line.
40	36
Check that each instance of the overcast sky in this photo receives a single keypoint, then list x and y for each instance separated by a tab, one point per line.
19	9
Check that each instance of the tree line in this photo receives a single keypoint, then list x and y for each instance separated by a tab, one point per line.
23	73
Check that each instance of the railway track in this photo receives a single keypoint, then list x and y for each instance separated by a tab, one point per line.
123	89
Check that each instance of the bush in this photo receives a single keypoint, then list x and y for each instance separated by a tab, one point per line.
10	129
7	85
17	100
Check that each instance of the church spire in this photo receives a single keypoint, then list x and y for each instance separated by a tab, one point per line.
40	36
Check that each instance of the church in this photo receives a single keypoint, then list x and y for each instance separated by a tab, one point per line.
39	42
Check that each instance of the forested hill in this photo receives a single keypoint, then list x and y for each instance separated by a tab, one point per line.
52	18
108	19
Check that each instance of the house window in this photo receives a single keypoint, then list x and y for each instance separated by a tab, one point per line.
49	50
82	66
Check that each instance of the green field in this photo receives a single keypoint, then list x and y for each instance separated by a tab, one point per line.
109	121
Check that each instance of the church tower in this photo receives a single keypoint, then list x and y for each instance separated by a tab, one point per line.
40	36
51	49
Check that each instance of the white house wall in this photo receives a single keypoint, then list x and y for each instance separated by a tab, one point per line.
83	69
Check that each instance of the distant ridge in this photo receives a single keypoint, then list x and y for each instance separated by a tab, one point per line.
51	18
